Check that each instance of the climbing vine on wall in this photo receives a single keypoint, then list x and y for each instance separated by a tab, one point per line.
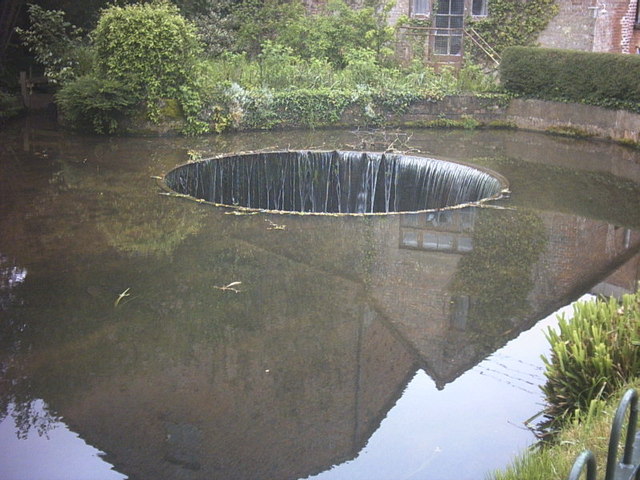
515	22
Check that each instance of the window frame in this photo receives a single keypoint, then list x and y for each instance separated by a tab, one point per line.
414	10
484	9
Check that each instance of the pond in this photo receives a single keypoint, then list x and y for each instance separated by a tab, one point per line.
146	336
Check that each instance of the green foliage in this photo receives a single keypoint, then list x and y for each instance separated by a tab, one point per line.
149	48
588	430
263	108
592	355
192	106
56	44
289	67
146	56
261	20
567	131
9	105
216	26
605	79
514	22
472	78
339	30
95	105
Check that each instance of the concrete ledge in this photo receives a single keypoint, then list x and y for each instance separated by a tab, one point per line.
597	121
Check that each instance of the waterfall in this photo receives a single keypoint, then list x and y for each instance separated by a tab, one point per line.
333	182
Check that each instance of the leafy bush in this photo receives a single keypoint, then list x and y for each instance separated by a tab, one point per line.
149	48
145	54
340	29
592	355
96	105
261	20
216	26
605	79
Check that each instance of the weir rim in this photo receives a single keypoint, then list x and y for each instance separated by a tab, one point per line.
336	182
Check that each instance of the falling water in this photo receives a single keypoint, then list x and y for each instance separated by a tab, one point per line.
333	182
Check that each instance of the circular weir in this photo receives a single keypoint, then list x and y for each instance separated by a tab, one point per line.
334	182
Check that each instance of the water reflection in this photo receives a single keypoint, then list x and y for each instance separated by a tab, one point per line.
120	328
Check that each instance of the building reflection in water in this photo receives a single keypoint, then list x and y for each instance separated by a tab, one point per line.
296	372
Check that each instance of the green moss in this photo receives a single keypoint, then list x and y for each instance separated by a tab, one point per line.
628	142
502	125
466	122
567	131
169	109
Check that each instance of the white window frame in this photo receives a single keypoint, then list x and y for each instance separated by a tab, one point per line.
484	10
420	8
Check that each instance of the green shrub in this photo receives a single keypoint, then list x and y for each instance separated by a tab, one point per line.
592	355
95	105
261	20
605	79
339	29
148	48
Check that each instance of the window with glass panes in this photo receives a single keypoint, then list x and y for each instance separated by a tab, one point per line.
420	7
448	23
479	8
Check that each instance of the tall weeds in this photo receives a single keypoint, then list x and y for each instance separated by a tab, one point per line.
592	355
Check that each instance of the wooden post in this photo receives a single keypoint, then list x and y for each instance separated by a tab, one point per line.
23	89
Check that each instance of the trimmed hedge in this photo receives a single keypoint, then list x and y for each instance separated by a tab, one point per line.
606	79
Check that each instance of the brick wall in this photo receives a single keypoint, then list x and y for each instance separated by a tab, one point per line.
593	25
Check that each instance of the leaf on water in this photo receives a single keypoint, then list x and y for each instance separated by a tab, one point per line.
229	287
121	296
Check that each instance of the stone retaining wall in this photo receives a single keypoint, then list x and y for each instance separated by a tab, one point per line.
596	121
456	107
539	115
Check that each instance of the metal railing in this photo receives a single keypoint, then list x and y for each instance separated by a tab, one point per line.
629	467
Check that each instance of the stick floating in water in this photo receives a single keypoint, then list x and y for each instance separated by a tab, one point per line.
229	287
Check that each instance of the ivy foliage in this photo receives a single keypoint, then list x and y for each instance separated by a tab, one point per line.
515	22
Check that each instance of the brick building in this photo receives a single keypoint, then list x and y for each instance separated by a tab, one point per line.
588	25
595	26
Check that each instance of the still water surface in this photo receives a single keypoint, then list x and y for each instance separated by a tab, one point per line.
400	347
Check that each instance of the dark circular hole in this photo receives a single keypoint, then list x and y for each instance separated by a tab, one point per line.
334	182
